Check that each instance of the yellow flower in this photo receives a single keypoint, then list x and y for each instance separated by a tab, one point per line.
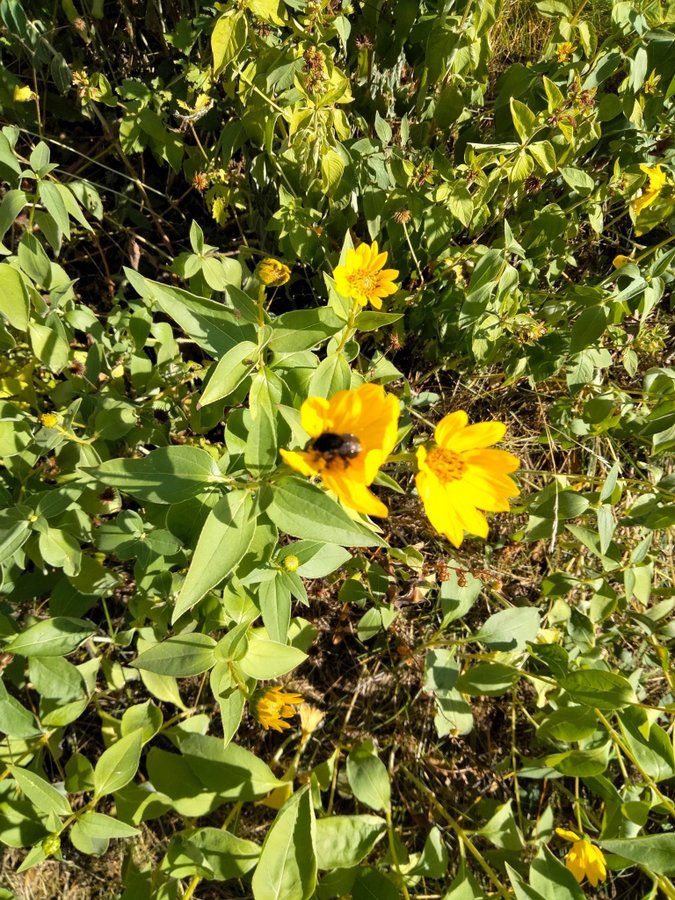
273	706
564	52
584	860
24	94
363	276
657	181
310	718
459	477
273	273
50	420
620	261
352	435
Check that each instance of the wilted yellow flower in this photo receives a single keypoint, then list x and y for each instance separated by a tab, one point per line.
273	273
50	420
459	477
564	52
620	261
584	860
310	718
273	706
351	434
657	181
363	276
24	94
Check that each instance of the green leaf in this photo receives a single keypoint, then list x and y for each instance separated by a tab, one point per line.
287	866
487	679
303	510
15	721
368	777
230	371
53	202
180	656
588	328
510	629
226	855
369	320
41	793
303	329
578	180
118	764
343	841
14	304
51	637
552	879
99	827
331	375
524	119
269	659
600	689
12	204
580	763
228	39
165	475
223	541
656	852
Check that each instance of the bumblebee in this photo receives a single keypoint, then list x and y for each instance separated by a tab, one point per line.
332	446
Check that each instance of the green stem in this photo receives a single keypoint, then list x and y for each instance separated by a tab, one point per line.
394	855
462	836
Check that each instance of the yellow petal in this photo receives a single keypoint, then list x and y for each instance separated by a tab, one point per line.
477	436
567	835
354	495
449	426
300	461
314	415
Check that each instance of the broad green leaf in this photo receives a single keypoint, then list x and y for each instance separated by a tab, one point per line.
226	855
510	629
180	656
552	879
41	793
118	764
223	541
165	475
368	777
287	866
656	852
101	827
487	679
303	329
14	304
15	720
12	204
228	39
331	375
51	637
598	688
52	200
303	510
270	659
343	841
230	371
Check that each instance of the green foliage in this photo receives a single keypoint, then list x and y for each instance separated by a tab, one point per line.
161	565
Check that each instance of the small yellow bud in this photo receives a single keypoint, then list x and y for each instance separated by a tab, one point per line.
273	273
50	420
291	563
51	844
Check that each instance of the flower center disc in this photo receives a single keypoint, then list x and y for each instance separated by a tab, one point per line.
445	464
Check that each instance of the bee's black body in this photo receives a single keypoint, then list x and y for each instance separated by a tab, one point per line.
336	446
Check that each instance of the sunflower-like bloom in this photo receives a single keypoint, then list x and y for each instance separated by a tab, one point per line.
273	273
657	181
273	706
459	477
584	860
351	434
363	276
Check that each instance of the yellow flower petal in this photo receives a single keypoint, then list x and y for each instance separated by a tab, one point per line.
370	416
313	416
354	495
300	461
567	835
459	479
362	276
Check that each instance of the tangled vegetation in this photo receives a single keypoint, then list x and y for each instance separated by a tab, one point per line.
337	414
